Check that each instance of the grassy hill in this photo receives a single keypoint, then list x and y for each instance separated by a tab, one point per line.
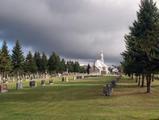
81	100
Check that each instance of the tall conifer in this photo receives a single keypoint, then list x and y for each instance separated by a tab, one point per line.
5	60
17	58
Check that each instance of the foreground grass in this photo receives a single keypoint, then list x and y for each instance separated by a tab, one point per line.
81	100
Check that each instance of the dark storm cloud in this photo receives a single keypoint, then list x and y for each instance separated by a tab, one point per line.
77	29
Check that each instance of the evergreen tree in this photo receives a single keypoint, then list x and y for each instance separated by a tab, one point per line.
142	51
88	69
70	66
30	64
44	62
82	69
38	60
54	63
17	58
62	66
76	67
5	60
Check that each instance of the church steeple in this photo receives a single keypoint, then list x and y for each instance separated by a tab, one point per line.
102	57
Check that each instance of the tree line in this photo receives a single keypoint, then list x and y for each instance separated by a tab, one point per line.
141	57
17	64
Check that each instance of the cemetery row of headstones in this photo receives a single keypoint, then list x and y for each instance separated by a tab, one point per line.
32	83
26	77
66	78
108	88
19	85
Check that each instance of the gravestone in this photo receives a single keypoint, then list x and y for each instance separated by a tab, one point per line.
3	88
79	77
113	83
50	82
82	76
108	90
74	77
19	85
118	77
42	82
32	83
65	79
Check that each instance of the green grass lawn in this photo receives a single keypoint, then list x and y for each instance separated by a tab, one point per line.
81	100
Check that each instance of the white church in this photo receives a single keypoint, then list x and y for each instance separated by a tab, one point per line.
99	67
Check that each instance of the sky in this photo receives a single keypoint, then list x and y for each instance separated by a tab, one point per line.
75	29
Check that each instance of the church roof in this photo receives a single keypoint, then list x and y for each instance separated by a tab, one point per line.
100	64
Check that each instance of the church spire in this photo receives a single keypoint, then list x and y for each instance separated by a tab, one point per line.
102	57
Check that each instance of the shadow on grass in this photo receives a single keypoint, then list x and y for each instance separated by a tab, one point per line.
117	94
155	86
128	90
52	94
155	119
126	86
64	93
69	93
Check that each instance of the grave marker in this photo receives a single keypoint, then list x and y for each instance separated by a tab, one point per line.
42	82
3	88
113	83
19	85
50	82
32	83
108	90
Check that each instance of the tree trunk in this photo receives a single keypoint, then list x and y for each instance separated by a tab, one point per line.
152	77
139	81
1	78
132	77
149	84
136	79
143	80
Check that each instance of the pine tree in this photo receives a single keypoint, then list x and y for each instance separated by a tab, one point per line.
5	60
70	66
62	66
82	69
37	58
148	18
76	67
88	69
30	64
44	62
54	63
17	58
142	52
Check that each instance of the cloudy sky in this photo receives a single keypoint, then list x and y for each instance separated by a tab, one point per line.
76	29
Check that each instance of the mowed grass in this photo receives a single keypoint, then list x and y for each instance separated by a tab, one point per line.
81	100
